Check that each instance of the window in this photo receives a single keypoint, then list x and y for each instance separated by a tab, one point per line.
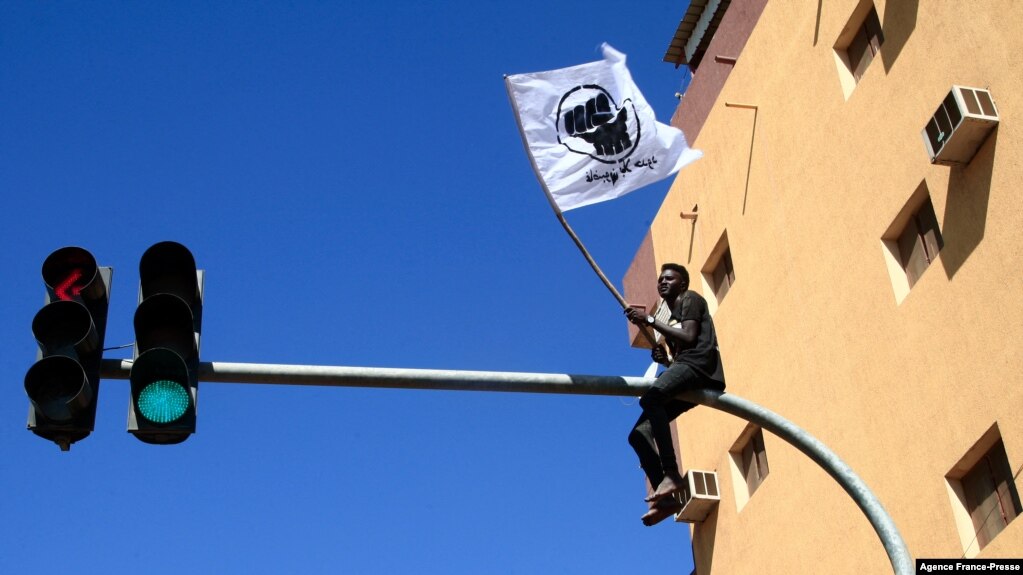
749	463
920	242
723	275
858	45
865	44
991	496
718	273
983	493
912	242
754	461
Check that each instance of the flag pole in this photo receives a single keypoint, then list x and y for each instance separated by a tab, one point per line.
564	223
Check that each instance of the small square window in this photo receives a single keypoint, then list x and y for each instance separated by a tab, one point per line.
920	242
912	242
858	45
754	461
865	44
983	493
991	496
749	463
718	273
723	275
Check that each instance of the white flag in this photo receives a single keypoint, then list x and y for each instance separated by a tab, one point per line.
590	133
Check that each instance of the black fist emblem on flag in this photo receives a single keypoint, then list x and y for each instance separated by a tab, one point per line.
596	124
590	123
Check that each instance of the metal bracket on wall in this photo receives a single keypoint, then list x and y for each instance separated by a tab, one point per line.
691	216
753	135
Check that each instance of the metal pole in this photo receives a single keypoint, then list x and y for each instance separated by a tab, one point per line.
331	376
898	553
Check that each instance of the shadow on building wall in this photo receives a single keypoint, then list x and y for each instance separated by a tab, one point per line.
704	536
969	189
817	24
899	23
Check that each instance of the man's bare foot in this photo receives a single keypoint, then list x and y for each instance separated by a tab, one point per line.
668	487
660	511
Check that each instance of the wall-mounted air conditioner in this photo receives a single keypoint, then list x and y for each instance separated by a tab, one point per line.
960	125
698	496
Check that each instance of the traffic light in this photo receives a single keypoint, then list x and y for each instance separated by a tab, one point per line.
168	321
63	384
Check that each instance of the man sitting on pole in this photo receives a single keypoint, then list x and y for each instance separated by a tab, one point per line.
694	363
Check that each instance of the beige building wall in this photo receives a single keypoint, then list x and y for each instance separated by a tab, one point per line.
804	187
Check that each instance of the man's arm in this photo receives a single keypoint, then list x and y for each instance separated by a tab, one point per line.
637	315
685	332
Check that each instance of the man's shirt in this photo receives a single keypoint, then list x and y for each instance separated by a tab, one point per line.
702	355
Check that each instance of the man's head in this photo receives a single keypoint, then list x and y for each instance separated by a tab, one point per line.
674	280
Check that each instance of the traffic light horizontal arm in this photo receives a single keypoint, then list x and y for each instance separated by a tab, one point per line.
217	372
335	376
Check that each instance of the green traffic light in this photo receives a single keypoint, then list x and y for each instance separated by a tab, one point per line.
163	401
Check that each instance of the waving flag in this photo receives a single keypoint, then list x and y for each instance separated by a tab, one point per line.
591	135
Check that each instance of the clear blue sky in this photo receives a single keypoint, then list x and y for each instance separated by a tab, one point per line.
352	181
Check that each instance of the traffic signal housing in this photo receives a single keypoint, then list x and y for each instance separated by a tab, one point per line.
63	384
168	321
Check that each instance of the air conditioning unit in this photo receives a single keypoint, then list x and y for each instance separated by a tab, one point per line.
698	496
960	125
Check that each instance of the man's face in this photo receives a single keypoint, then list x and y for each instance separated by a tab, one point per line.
670	284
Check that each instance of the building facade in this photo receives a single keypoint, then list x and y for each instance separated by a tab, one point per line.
863	291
